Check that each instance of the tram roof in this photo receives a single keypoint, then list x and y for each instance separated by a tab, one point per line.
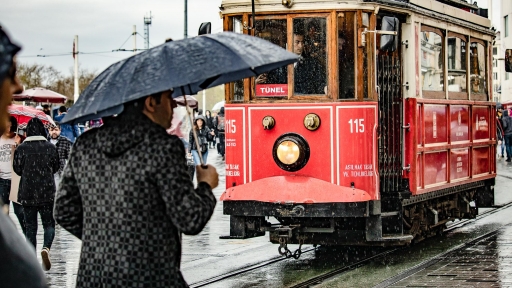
449	8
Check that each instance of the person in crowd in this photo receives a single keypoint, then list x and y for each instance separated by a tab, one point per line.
219	123
47	109
12	183
500	133
209	123
507	131
63	146
128	181
67	130
18	265
7	143
203	134
309	75
36	160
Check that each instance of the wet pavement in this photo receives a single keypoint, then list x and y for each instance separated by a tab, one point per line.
205	256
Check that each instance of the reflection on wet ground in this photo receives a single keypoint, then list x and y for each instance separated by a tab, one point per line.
485	263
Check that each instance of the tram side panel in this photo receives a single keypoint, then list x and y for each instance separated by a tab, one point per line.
449	144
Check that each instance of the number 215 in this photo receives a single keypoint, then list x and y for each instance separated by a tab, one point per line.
356	125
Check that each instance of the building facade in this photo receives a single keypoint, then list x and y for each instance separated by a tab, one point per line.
505	43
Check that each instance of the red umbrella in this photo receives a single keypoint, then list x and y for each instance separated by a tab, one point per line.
24	113
40	95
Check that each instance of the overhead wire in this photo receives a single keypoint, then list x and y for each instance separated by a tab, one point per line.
88	53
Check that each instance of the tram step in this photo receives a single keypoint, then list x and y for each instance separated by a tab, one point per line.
396	238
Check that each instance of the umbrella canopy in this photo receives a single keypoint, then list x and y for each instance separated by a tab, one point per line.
191	101
187	66
218	105
40	95
24	113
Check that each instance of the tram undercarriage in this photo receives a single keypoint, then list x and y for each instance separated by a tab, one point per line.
368	223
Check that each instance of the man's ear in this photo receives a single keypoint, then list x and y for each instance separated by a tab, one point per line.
149	105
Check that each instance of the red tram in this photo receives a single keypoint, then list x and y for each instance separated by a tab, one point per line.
382	132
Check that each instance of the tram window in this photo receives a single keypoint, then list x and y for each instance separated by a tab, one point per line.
432	61
273	83
477	68
456	65
366	54
346	55
309	42
238	86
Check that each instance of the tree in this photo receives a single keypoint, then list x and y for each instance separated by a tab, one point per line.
38	75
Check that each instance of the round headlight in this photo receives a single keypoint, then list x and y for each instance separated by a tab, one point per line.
291	152
288	152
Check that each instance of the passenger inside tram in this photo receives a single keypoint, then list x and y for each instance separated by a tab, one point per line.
309	74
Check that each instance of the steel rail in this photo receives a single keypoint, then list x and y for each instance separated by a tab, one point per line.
343	269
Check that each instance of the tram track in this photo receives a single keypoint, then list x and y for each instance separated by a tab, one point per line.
337	272
343	269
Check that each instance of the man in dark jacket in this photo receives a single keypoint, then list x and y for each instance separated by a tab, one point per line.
36	160
18	264
507	130
63	146
126	194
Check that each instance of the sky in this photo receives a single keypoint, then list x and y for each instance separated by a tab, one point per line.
48	27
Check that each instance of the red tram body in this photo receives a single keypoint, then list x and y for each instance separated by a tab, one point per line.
395	162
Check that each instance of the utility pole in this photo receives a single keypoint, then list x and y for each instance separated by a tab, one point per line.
75	55
147	22
186	21
134	39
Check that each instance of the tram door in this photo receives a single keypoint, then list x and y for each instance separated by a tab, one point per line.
389	81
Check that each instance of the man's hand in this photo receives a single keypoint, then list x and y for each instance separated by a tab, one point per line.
208	175
261	79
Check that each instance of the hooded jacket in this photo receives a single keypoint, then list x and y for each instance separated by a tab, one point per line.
36	160
126	194
203	135
507	123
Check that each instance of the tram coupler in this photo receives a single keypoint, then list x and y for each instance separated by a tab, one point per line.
283	247
284	232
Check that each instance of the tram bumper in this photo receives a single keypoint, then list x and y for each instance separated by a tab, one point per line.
309	209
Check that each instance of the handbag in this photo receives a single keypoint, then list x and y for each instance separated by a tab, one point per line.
203	143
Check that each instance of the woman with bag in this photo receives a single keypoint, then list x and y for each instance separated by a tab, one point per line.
203	134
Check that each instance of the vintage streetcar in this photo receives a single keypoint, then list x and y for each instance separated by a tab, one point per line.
380	134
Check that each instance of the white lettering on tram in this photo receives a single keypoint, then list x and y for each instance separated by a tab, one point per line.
272	90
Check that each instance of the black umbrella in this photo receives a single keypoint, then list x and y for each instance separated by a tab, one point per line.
186	66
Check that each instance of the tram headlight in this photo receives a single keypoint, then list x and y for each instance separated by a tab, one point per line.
288	152
291	152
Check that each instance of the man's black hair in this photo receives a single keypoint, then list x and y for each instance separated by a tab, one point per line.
138	104
45	106
57	125
314	24
298	28
63	109
14	124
